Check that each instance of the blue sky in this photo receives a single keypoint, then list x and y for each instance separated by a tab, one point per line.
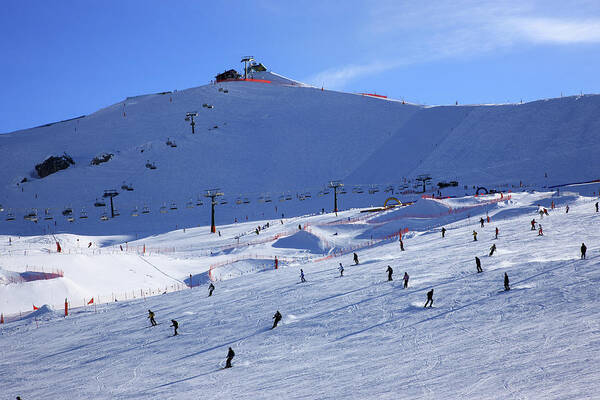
62	59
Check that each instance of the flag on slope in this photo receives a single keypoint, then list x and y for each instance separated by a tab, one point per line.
91	301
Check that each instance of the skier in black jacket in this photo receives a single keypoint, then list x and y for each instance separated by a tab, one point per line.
429	298
389	271
492	250
443	232
211	287
506	287
355	258
583	250
277	317
478	263
230	355
175	325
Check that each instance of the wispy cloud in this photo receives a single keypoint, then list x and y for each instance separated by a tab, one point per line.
395	34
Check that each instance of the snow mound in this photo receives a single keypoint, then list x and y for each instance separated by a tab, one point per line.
7	277
302	240
275	78
44	312
424	208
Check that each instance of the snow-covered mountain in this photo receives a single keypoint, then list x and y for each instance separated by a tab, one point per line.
260	140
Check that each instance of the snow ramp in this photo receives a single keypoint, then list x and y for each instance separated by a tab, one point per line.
303	240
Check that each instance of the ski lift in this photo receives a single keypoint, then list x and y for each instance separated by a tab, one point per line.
83	214
373	189
246	200
282	198
163	209
135	212
70	218
343	191
99	203
199	202
173	206
307	195
116	213
238	200
10	216
67	212
357	189
223	201
190	204
288	197
31	215
325	192
301	197
261	199
104	217
47	214
268	199
1	208
127	187
146	210
389	189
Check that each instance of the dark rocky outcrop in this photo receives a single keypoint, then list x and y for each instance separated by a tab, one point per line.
53	164
102	158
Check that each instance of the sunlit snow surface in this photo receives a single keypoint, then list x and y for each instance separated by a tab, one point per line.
356	336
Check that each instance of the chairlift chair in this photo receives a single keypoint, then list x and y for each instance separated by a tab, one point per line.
104	217
135	212
238	200
282	198
288	197
163	209
261	199
83	214
146	210
173	206
67	212
199	202
47	214
246	200
223	201
267	199
307	195
70	218
116	212
99	203
10	216
190	204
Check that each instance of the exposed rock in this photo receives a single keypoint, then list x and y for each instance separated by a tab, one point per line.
53	164
102	158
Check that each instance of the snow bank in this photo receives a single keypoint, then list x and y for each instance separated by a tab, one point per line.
303	240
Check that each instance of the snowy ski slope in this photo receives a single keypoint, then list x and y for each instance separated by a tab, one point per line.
357	336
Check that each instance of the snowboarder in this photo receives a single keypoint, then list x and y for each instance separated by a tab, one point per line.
533	224
341	269
583	250
355	259
567	209
406	277
497	232
389	271
401	245
478	263
211	287
174	325
546	211
481	221
302	276
492	250
429	299
443	232
541	214
151	316
596	206
540	231
506	287
474	236
230	355
277	317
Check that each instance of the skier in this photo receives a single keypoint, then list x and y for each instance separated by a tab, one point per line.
583	250
492	250
341	268
406	277
533	224
478	263
175	325
389	271
151	316
355	258
302	276
596	206
211	287
497	232
474	236
546	211
277	318
429	299
567	209
540	231
506	287
481	221
552	205
401	245
230	355
443	232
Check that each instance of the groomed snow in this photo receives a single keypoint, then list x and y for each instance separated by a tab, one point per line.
356	336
